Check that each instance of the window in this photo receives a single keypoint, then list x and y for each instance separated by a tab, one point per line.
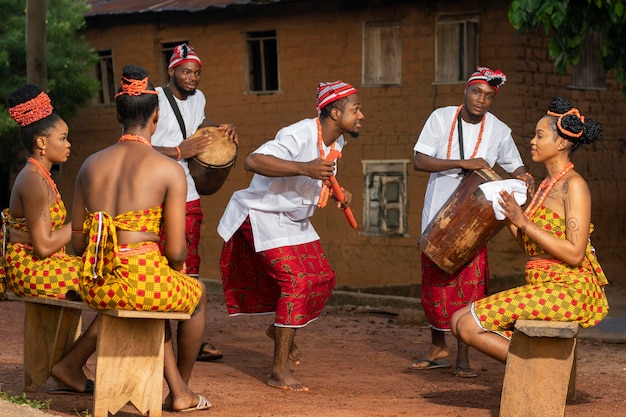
588	73
456	47
104	73
382	53
262	61
384	209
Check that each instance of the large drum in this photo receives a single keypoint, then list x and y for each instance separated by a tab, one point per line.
463	225
210	168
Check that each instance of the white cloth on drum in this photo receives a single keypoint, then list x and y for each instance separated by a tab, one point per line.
492	189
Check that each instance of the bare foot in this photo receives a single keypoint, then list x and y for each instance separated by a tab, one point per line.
71	377
295	354
287	382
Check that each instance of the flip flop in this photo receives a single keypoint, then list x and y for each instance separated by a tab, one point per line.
462	372
203	404
431	364
212	355
89	387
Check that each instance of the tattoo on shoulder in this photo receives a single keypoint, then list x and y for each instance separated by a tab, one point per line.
573	224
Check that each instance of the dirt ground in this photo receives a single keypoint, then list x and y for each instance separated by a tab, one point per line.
355	364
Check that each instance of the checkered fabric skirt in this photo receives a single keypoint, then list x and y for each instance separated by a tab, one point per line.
554	291
143	280
27	275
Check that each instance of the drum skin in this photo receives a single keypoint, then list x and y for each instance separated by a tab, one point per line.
463	225
210	168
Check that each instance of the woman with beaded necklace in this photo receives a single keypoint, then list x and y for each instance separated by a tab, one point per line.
563	277
34	229
124	195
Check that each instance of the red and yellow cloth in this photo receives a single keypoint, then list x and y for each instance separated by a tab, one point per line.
132	276
293	281
554	290
27	274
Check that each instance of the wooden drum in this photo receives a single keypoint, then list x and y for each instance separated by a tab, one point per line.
465	223
210	168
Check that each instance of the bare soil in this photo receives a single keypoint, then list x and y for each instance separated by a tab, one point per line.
355	364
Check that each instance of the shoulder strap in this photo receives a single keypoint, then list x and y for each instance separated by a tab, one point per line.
179	117
464	172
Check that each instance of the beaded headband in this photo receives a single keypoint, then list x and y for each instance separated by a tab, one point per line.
572	111
32	110
134	87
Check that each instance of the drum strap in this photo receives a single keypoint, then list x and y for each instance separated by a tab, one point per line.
179	117
464	172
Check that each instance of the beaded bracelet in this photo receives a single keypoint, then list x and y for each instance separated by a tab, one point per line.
178	153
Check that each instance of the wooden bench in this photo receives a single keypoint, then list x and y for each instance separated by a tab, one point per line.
129	353
540	373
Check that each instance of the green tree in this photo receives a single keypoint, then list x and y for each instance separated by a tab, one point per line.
70	63
568	23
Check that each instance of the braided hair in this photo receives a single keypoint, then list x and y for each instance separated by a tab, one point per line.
571	125
135	110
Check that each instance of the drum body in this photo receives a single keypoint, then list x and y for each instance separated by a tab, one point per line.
210	168
465	223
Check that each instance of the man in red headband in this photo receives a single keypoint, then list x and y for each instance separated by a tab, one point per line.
173	138
272	260
455	140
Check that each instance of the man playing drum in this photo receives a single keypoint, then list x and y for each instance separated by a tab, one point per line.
456	139
272	260
173	138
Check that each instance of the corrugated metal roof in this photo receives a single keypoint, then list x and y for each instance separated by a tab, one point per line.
114	7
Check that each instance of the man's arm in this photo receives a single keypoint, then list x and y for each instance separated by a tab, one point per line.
271	166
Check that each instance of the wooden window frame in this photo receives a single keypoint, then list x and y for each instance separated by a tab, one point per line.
382	52
382	217
457	41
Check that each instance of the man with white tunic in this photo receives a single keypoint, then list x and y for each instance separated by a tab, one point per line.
454	141
272	260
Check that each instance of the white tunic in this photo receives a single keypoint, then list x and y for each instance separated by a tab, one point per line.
280	207
497	146
168	133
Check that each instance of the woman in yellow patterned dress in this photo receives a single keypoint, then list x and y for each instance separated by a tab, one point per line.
124	195
563	277
34	229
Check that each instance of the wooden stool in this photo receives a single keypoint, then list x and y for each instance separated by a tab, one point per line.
540	371
129	353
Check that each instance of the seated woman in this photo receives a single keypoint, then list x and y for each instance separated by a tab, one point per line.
124	195
35	232
563	277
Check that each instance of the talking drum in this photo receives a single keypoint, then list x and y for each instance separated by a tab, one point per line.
210	168
464	224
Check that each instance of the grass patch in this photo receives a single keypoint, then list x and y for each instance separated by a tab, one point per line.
23	399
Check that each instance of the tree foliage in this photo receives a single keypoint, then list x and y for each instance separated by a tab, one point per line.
569	22
70	63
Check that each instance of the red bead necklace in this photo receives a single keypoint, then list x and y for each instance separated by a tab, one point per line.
46	175
134	138
544	189
480	133
325	192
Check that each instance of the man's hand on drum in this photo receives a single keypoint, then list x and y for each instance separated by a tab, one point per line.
511	209
473	164
319	169
195	145
230	131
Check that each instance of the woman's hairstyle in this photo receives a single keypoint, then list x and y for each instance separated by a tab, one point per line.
136	99
30	107
571	125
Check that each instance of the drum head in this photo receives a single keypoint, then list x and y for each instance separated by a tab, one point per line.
220	152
